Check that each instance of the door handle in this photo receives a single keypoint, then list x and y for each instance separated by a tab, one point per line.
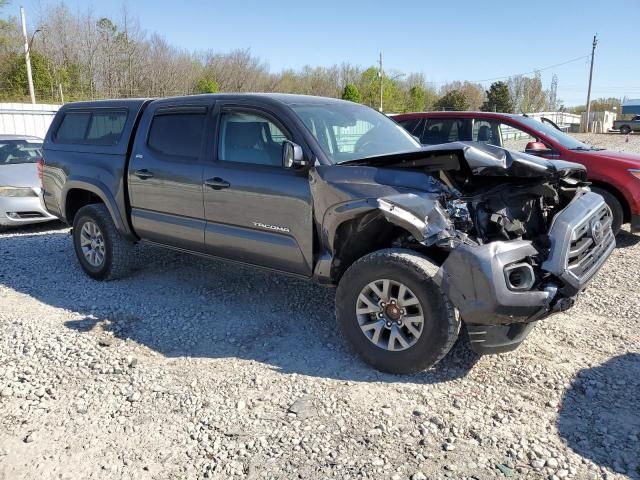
143	174
217	183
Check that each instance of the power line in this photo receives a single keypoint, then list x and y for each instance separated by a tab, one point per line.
533	71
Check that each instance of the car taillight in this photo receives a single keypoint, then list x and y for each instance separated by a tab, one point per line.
40	170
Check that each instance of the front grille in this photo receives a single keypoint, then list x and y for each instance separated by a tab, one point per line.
591	240
581	240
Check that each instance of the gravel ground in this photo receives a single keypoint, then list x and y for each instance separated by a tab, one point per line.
193	368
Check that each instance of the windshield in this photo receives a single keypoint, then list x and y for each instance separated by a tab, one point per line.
567	141
348	131
19	151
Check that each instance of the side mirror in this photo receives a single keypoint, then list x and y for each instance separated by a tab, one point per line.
536	148
292	156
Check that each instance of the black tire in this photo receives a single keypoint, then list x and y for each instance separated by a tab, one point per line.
614	205
625	129
118	251
441	324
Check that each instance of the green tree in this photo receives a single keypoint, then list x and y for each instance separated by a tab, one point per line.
417	99
452	100
206	85
351	93
393	97
16	85
498	99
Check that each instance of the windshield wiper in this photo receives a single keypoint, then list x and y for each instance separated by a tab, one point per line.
582	148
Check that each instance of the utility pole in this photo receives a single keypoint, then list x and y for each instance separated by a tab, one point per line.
381	75
593	52
27	58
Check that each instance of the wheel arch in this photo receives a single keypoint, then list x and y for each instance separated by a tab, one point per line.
85	191
626	209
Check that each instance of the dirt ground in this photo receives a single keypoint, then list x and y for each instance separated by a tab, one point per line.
192	368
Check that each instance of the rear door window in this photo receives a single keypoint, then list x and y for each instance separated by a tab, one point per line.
177	134
444	130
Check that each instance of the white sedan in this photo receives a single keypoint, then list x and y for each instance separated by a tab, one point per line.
19	183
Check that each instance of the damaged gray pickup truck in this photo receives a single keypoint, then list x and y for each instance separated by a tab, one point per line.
417	240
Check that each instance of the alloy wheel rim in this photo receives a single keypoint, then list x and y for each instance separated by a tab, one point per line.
92	244
390	315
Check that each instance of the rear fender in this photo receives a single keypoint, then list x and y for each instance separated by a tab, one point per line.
100	190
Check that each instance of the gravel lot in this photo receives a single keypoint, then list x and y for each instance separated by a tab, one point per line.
192	368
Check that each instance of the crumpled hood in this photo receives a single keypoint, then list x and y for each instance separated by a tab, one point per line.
479	158
19	175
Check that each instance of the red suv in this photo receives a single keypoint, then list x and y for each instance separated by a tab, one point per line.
614	175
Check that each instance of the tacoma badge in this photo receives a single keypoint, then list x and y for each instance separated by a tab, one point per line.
271	227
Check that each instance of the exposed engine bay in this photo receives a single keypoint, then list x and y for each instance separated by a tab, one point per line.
477	202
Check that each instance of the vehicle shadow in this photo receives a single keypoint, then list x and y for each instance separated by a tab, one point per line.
182	305
34	228
625	239
600	415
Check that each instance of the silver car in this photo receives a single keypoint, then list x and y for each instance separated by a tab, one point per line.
19	183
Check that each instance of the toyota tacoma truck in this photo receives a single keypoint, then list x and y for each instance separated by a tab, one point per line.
419	241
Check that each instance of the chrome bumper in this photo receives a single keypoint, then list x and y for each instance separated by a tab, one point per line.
581	240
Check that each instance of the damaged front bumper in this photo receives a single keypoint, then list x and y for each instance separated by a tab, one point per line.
498	313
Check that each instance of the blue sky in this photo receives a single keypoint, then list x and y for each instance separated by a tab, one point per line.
445	40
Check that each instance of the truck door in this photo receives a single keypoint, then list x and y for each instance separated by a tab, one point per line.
165	176
257	211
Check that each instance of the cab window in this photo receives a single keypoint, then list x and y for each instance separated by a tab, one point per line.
248	137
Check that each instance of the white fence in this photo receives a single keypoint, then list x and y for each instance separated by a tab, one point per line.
26	119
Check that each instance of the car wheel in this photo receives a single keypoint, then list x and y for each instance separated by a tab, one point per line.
393	314
614	205
625	129
102	252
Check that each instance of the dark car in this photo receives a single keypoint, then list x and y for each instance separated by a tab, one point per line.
614	175
417	240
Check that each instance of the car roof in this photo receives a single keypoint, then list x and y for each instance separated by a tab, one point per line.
5	137
286	98
450	114
282	98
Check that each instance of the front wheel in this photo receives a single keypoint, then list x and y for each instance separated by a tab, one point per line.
615	206
625	130
393	314
102	252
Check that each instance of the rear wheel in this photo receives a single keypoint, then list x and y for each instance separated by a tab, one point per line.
102	252
393	314
625	129
614	205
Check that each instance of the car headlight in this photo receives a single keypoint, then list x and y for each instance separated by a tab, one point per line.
635	173
17	192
